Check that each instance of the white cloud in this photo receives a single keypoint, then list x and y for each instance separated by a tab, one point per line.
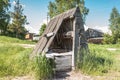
44	21
86	27
104	29
13	3
31	29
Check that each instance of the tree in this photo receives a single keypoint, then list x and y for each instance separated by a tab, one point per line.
60	6
113	19
4	16
43	26
115	24
17	29
114	27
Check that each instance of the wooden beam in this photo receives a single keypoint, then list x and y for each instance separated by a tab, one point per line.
69	34
58	54
75	41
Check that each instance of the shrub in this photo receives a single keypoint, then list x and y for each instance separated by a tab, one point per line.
118	41
108	39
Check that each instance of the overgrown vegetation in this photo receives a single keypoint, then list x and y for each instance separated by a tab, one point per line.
43	68
99	60
15	61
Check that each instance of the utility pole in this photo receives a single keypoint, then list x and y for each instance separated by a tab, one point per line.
47	18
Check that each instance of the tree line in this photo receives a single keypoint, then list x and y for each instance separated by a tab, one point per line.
12	23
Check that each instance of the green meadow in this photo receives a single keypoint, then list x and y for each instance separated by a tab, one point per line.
102	60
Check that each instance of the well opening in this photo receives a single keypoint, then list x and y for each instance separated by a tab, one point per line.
63	40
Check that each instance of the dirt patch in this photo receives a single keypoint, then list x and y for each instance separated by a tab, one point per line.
23	78
27	45
78	76
18	78
70	75
111	49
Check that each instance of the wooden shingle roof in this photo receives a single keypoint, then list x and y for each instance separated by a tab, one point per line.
52	27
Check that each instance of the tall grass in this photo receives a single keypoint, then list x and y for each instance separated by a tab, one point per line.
97	61
15	61
43	68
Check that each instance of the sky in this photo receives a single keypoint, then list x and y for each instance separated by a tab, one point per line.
99	12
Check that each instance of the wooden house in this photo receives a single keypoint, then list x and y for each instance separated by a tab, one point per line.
93	33
64	35
29	36
94	36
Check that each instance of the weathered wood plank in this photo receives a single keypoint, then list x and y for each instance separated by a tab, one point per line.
76	40
55	31
41	39
58	54
46	31
45	38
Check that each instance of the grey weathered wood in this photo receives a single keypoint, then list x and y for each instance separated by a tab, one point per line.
55	31
78	24
68	21
45	40
58	55
38	45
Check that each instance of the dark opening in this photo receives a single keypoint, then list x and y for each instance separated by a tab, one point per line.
63	40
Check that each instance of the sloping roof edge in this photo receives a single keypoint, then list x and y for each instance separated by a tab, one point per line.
53	26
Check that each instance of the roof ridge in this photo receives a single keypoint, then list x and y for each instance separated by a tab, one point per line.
67	11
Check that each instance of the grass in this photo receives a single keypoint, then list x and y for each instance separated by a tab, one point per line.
100	61
43	68
4	39
15	61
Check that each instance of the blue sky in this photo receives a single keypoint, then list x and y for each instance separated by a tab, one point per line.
36	11
100	11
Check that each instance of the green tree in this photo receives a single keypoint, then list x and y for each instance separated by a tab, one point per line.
4	16
43	27
17	29
60	6
113	19
115	24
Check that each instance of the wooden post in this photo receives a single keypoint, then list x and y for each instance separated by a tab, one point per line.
78	40
75	41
